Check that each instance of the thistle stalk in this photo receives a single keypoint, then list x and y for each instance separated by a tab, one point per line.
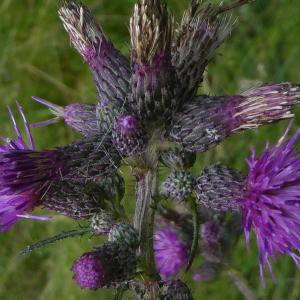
146	187
241	284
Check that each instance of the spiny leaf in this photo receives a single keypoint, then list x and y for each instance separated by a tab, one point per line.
61	236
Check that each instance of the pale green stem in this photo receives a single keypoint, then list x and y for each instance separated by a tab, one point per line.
241	283
144	219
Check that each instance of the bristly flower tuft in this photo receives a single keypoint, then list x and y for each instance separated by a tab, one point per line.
111	70
201	32
153	80
80	117
271	204
16	198
206	121
171	252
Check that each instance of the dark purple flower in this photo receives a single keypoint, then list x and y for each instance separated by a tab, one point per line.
89	271
171	252
108	265
271	205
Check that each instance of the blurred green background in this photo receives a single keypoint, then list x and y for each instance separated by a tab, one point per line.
36	59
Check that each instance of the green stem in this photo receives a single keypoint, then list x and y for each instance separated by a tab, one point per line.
224	8
144	219
241	283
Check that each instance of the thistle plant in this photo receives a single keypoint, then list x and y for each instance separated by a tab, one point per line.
150	116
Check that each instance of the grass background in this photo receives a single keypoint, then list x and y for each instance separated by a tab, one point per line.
36	59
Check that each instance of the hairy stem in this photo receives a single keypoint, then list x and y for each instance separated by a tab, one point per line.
144	219
241	284
224	8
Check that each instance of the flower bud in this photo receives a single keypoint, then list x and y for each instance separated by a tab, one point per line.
179	185
124	234
206	121
153	79
219	187
110	69
102	222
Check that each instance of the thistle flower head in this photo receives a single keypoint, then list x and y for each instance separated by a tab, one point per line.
271	204
124	234
105	267
84	38
206	121
74	199
171	252
179	185
89	271
219	188
102	222
16	197
110	69
201	32
153	79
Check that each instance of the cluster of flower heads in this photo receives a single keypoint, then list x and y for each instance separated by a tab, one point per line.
149	113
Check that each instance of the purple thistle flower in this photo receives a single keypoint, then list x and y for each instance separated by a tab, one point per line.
29	178
271	205
171	252
108	265
14	205
269	198
89	271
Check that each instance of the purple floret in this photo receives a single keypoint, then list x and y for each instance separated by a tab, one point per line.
89	271
18	193
171	252
271	205
127	125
